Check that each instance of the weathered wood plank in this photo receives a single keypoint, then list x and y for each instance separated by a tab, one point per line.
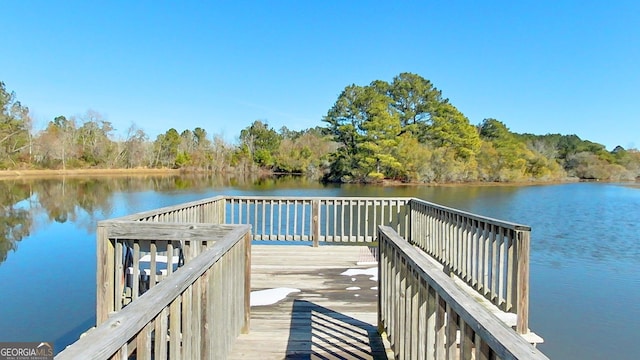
315	222
105	287
143	343
119	277
174	329
153	249
246	325
523	249
324	319
137	230
161	338
135	273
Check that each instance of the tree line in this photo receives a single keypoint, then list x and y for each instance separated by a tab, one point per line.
403	130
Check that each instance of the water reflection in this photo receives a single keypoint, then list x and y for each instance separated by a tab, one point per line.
15	222
84	200
558	214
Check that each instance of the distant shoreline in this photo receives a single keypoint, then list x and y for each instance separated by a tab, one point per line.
484	183
17	174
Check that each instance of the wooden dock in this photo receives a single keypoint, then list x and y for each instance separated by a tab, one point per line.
334	307
333	316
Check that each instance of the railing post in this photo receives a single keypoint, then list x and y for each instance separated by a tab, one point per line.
381	281
247	284
315	222
105	292
222	211
523	251
409	221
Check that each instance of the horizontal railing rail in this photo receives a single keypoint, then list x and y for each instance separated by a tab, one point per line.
491	256
195	313
427	316
210	210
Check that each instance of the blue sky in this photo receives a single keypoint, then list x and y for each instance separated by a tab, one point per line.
569	67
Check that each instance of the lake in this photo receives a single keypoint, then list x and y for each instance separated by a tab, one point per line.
585	249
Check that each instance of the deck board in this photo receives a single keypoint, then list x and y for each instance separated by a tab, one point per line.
322	321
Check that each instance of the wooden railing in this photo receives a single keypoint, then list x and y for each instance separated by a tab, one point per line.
427	316
314	219
491	256
149	259
194	313
137	251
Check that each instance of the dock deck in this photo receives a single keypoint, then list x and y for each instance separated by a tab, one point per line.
333	316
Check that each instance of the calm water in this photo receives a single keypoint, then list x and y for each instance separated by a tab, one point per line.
585	289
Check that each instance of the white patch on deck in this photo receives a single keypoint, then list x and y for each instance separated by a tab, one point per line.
373	272
270	296
353	288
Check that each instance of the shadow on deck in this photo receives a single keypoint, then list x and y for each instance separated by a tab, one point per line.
332	316
320	333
